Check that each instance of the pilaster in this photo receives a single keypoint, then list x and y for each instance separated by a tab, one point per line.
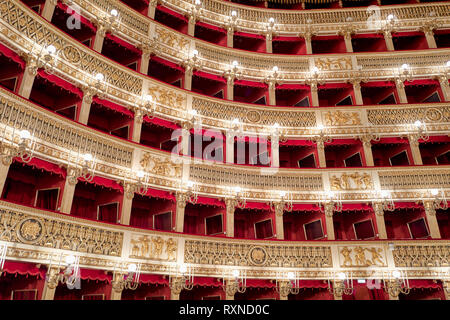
430	211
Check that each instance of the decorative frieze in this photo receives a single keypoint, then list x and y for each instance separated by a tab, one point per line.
425	255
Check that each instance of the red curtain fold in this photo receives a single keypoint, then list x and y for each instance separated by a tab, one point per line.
313	284
96	275
23	268
44	165
19	191
162	123
167	63
378	84
259	283
106	183
210	26
394	140
153	279
292	86
123	43
47	199
305	207
422	82
109	213
210	202
155	193
60	82
327	38
399	205
424	284
297	143
207	281
249	35
335	86
344	142
252	139
208	133
356	207
438	139
288	39
114	106
257	205
209	76
78	17
172	13
367	36
407	34
12	55
246	83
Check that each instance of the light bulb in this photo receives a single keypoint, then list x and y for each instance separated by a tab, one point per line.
320	127
448	64
114	13
390	17
235	63
132	267
195	52
198	2
341	276
237	189
405	66
271	20
193	112
315	70
25	134
275	69
276	125
331	194
361	281
140	174
148	98
235	121
233	13
396	274
99	77
190	184
70	259
87	157
235	273
384	194
434	192
51	49
418	123
291	275
183	268
282	194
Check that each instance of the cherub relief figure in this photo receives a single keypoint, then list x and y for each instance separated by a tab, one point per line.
360	257
171	249
376	256
346	254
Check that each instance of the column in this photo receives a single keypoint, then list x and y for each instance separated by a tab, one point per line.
279	211
230	88
99	38
275	151
28	79
269	42
388	38
367	146
145	61
431	219
83	116
137	126
229	148
314	95
230	34
401	91
357	91
69	191
429	35
308	44
348	41
329	207
321	153
49	9
191	25
379	216
181	206
185	137
445	88
414	144
272	97
4	168
152	9
446	287
188	77
127	204
48	293
230	207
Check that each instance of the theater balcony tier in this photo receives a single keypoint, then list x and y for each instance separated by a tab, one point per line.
36	241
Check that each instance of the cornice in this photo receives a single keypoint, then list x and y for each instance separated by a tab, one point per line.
104	246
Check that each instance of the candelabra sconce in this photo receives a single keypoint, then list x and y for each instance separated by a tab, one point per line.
396	283
129	279
44	59
235	281
340	284
25	147
421	130
322	136
314	73
405	72
239	196
333	199
141	183
288	284
148	106
70	268
183	278
439	199
196	9
236	126
3	250
385	198
88	168
109	21
191	192
283	203
390	22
